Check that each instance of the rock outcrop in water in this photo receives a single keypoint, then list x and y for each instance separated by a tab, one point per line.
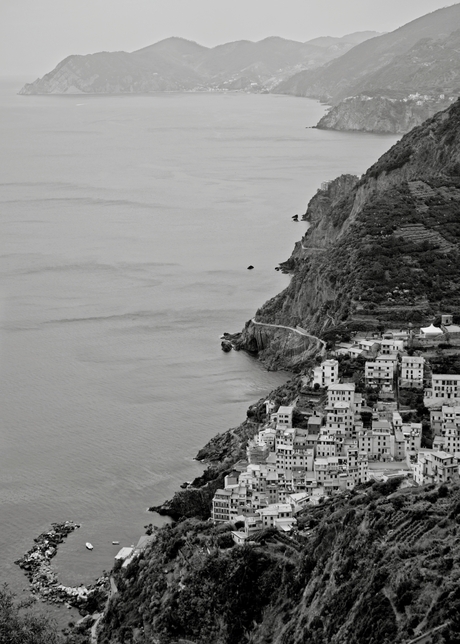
44	583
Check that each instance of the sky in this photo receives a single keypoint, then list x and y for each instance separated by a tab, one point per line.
37	34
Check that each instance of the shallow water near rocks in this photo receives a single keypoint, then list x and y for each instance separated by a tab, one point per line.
128	223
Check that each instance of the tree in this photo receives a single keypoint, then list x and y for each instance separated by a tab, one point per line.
19	625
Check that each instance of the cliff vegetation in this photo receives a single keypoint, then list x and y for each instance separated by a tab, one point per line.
375	565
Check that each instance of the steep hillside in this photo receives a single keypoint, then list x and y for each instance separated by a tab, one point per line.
373	565
345	76
381	250
353	39
176	64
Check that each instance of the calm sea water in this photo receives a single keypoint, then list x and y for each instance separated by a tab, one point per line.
127	225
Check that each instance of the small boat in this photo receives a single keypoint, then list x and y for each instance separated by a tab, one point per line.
89	545
115	543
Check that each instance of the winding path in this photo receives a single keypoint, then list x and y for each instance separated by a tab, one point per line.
297	329
113	590
311	247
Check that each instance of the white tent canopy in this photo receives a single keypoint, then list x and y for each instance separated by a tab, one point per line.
431	330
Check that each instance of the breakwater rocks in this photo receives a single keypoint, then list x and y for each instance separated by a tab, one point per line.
36	564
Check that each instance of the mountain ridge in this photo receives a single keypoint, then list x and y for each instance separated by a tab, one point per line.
177	64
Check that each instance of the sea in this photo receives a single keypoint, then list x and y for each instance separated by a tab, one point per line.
127	226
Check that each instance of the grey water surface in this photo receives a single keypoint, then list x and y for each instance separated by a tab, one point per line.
127	225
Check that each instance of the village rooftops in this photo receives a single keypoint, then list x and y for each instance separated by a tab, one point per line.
413	360
446	376
285	410
442	455
346	386
381	425
340	404
124	553
452	328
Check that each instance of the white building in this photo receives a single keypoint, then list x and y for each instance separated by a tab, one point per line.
444	387
326	373
435	467
391	346
378	441
379	373
412	371
283	417
341	393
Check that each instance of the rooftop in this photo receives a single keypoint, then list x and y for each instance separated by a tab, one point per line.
347	386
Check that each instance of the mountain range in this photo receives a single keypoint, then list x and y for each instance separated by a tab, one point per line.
176	64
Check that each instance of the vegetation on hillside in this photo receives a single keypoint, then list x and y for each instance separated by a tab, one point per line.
22	623
375	565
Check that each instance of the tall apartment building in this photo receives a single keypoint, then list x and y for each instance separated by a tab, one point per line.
379	373
327	373
412	371
443	387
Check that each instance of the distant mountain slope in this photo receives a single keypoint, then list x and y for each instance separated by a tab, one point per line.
429	64
346	75
353	39
381	250
176	64
401	95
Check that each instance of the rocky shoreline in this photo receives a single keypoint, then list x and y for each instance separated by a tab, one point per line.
36	564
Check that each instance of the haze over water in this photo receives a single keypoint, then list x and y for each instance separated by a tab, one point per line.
128	223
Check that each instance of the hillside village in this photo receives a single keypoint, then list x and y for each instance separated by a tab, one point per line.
375	408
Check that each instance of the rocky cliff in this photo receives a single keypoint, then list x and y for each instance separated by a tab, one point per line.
383	249
382	114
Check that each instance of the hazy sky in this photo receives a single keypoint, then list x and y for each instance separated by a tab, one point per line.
36	34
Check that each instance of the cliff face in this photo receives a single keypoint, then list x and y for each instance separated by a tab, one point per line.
372	565
381	250
381	114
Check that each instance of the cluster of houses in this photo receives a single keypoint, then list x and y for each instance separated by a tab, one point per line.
288	467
